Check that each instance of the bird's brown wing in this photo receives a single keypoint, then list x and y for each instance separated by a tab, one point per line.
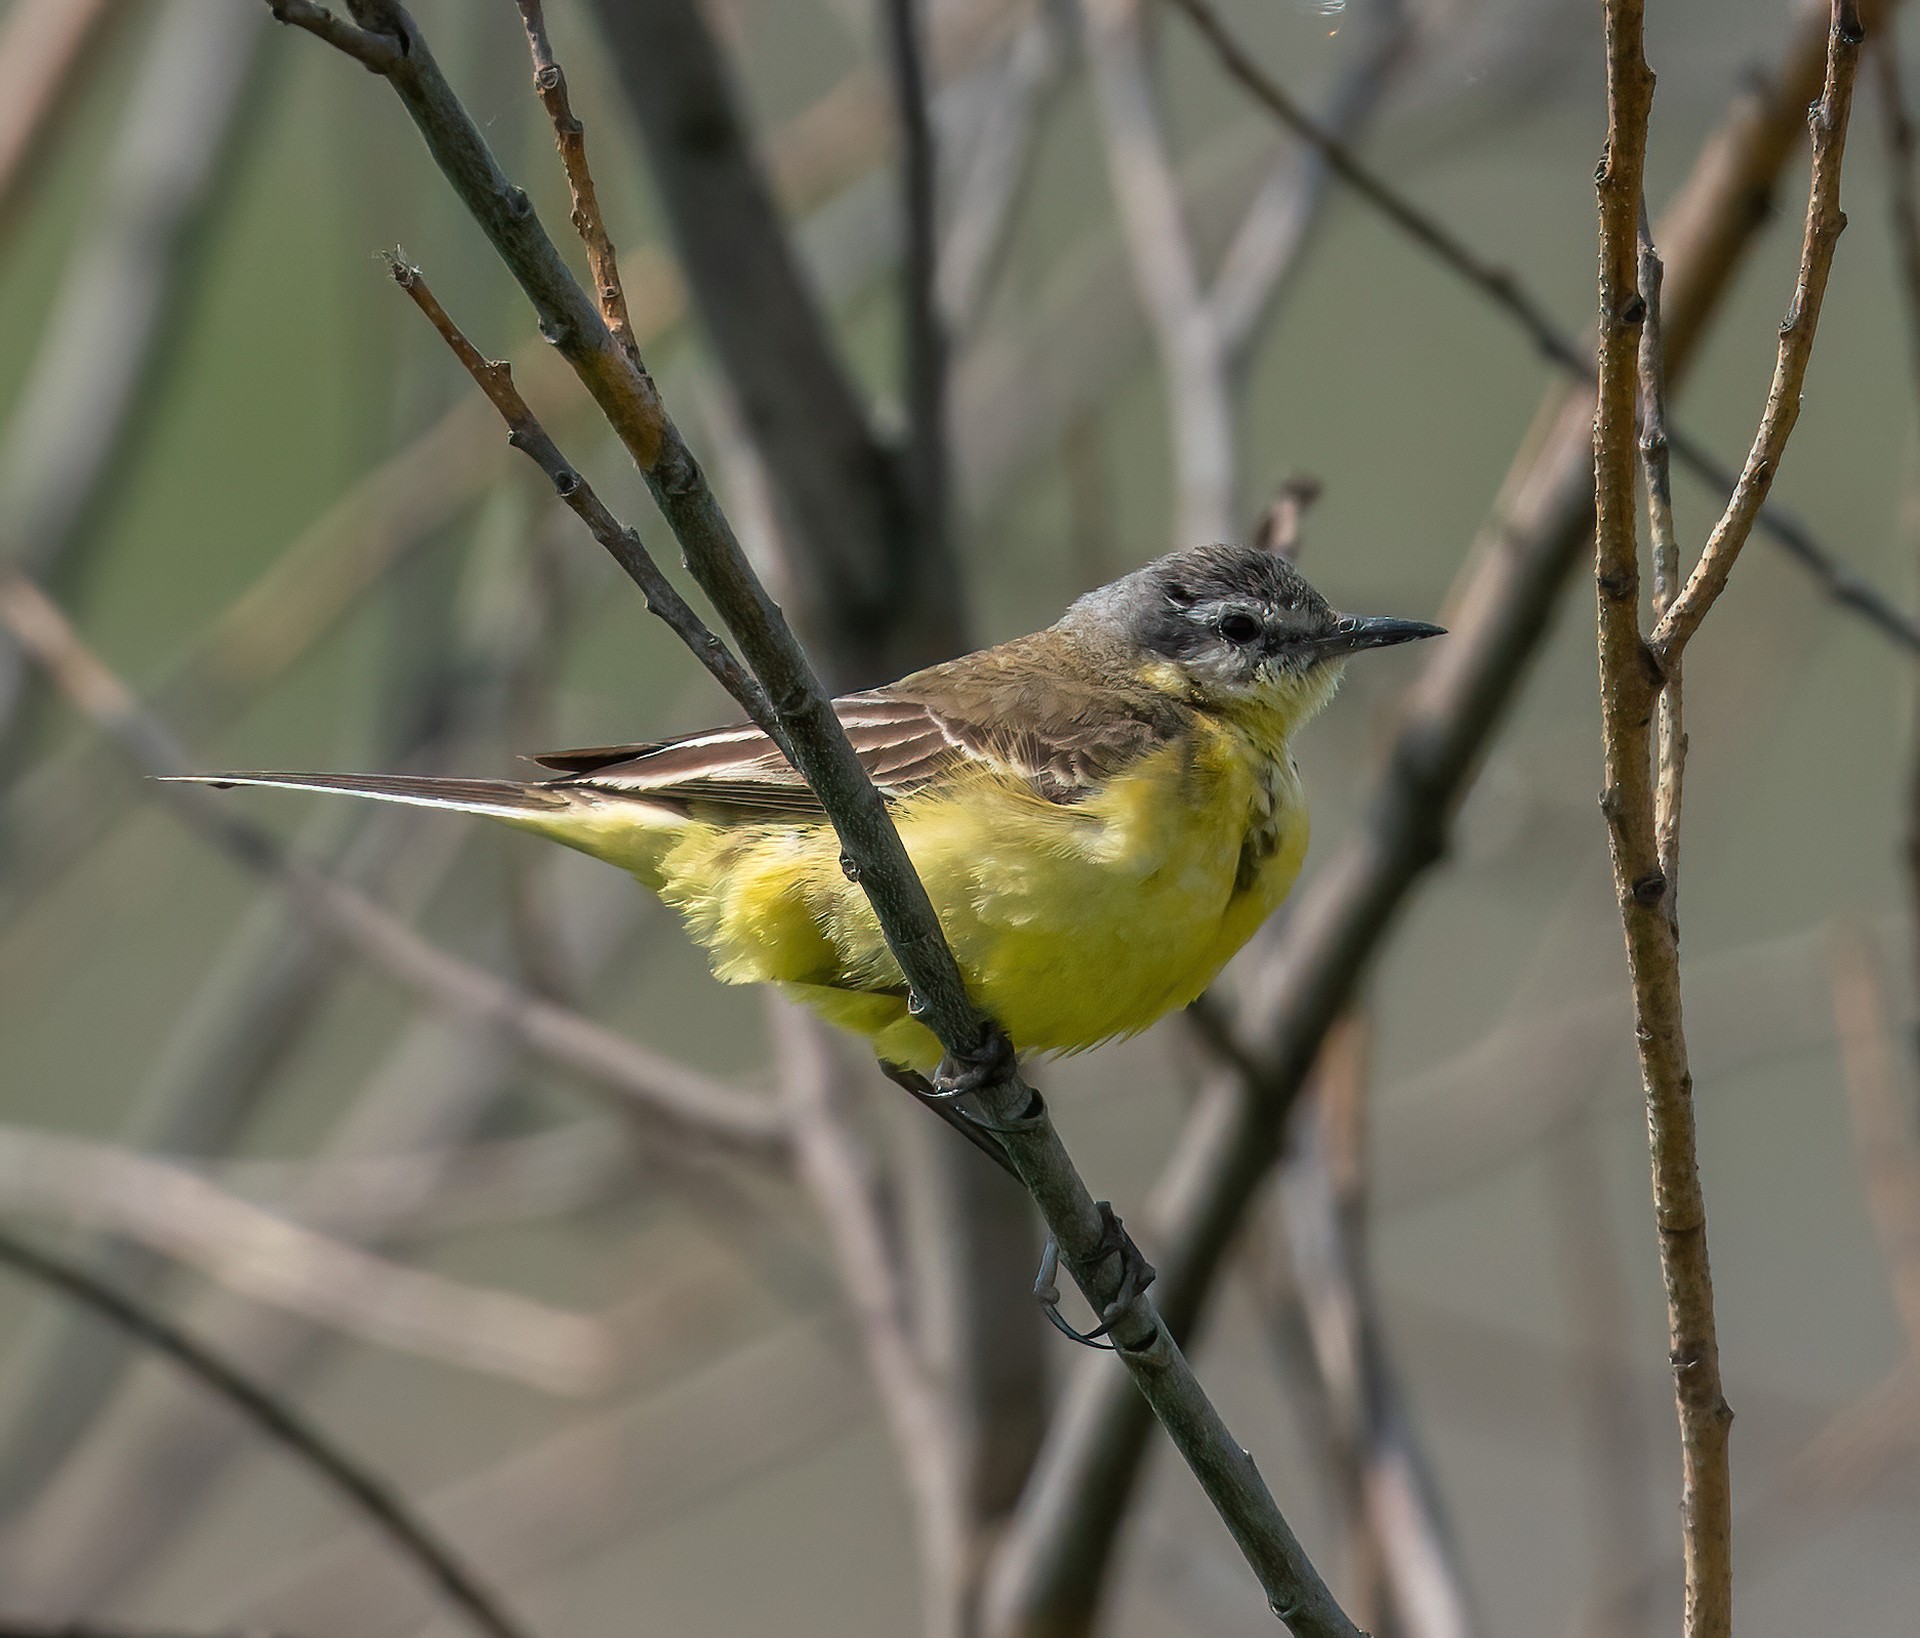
1064	738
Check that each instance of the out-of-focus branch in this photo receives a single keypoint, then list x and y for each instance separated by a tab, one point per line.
924	324
1881	1119
1398	1523
271	1259
622	544
1633	673
47	50
682	1097
844	491
1743	160
383	1506
1301	974
839	1176
818	744
1185	326
68	434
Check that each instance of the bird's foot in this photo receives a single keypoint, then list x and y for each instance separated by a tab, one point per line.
984	1135
1136	1274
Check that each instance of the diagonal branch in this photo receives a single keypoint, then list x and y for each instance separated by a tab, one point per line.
272	1259
872	847
364	1490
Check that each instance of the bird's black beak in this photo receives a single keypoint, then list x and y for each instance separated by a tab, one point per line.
1353	632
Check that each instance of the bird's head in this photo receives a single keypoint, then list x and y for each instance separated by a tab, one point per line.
1238	628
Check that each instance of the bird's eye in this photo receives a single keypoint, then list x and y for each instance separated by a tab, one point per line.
1239	628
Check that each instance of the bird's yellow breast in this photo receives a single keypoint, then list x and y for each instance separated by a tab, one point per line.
1073	923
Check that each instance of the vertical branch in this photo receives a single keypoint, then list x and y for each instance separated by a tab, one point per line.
1191	349
1629	683
925	332
1633	673
839	1177
1671	752
1903	207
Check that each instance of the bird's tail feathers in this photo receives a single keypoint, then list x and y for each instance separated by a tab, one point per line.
498	798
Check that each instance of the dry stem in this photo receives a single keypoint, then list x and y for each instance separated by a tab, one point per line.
1631	678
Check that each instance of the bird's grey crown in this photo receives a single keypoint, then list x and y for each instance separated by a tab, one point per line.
1184	605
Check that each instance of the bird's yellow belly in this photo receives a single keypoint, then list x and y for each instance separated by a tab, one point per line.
1073	924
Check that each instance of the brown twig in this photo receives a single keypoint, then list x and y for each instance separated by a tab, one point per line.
1671	751
369	1494
1632	673
1828	121
526	434
550	84
1280	525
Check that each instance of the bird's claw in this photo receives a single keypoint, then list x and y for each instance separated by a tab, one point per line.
1136	1274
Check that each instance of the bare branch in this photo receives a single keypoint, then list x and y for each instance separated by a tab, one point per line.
1193	354
271	1259
683	1097
550	83
846	493
838	1175
382	1505
1825	220
1671	749
1882	1125
47	49
527	435
375	52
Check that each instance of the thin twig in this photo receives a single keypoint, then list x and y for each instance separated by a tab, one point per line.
1671	752
1499	286
526	434
1827	120
384	1507
550	84
684	1097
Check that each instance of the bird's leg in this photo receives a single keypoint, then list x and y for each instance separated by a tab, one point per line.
990	1063
981	1134
1136	1274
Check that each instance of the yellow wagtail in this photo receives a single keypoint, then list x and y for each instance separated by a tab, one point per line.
1102	812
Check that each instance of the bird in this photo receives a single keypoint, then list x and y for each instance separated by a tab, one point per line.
1102	812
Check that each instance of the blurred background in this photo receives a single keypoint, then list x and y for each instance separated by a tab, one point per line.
614	1358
